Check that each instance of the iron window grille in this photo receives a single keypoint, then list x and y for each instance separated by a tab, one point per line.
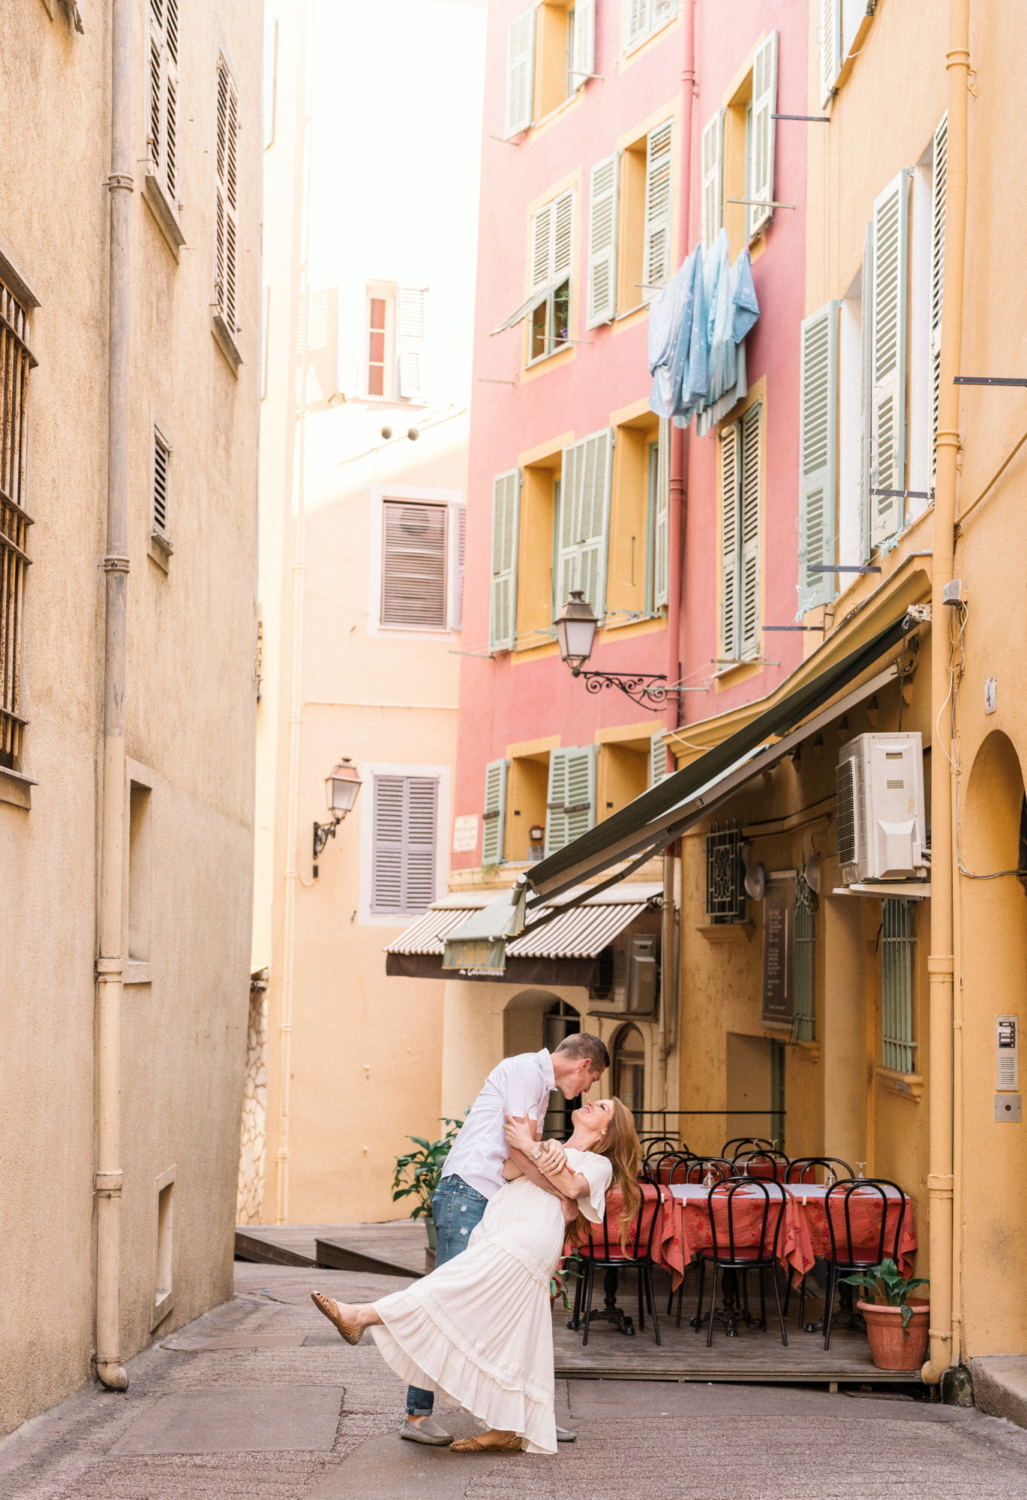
725	874
804	1023
898	939
16	359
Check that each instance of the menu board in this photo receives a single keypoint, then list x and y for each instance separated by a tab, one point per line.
779	951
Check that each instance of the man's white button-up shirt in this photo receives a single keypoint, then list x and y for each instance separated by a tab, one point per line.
518	1086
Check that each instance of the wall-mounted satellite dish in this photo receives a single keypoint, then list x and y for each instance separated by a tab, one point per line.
756	883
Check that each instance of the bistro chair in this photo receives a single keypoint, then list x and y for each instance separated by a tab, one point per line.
602	1251
802	1169
722	1169
744	1143
857	1221
671	1167
746	1219
661	1145
770	1165
647	1173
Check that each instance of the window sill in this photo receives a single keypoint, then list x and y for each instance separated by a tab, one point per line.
137	973
631	619
225	340
809	1050
540	359
16	788
906	1085
726	932
163	212
160	549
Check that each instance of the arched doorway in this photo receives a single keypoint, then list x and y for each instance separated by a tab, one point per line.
560	1021
629	1071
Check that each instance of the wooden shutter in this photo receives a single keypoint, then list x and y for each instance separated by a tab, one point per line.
866	385
456	603
520	72
584	519
567	529
730	441
817	439
712	179
638	20
410	318
506	492
414	565
661	519
404	838
542	247
162	138
494	816
161	467
583	62
761	146
830	48
657	758
602	242
570	801
656	247
226	208
937	273
888	357
750	528
563	236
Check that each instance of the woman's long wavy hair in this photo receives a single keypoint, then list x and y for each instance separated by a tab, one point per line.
621	1146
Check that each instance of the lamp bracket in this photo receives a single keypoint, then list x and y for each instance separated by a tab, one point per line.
643	688
322	833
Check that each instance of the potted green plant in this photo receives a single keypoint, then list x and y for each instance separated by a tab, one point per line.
419	1173
897	1324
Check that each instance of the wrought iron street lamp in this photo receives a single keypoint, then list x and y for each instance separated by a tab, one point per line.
341	789
576	632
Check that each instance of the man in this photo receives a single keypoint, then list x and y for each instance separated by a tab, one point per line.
519	1086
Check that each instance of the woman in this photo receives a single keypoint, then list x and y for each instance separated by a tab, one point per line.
478	1330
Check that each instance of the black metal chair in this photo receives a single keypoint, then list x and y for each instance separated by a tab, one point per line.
602	1251
800	1169
770	1165
745	1247
863	1245
671	1167
647	1173
718	1166
660	1144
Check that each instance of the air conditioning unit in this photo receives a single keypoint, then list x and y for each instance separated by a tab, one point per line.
881	827
629	982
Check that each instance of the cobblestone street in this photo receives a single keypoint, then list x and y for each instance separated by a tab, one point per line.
262	1400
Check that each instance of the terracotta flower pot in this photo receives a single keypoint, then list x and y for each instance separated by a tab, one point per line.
888	1348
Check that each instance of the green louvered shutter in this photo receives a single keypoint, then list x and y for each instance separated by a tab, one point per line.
520	72
817	426
494	816
506	489
594	517
888	357
866	386
941	136
730	442
570	801
750	528
712	151
661	519
602	242
762	140
567	528
657	758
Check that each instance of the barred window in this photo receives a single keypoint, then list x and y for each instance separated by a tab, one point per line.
804	1024
897	943
725	874
16	359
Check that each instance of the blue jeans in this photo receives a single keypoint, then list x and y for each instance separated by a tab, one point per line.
456	1210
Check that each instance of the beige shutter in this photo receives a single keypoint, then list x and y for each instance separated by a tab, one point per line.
866	386
761	145
663	10
563	236
730	440
494	815
226	228
403	844
661	519
830	48
520	72
712	179
750	528
817	440
657	758
506	489
602	242
937	273
161	468
567	527
410	317
638	20
414	565
888	357
583	60
584	520
162	138
656	248
456	600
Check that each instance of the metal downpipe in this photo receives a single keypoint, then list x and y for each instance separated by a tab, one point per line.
940	964
111	961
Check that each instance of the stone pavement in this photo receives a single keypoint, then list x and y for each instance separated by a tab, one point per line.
261	1400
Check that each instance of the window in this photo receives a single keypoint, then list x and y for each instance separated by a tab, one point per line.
226	209
712	153
520	72
551	259
737	157
897	940
161	546
494	815
762	132
161	183
817	462
414	565
646	17
377	333
740	480
725	875
404	837
630	228
571	795
506	493
582	521
550	54
629	1071
938	181
16	359
658	585
411	341
804	1022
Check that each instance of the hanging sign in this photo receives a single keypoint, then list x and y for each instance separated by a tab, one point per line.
779	951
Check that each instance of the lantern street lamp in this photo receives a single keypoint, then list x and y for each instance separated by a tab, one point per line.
576	632
341	789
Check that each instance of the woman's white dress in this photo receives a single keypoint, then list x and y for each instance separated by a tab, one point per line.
479	1330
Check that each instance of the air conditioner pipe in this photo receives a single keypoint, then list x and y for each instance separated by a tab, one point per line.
940	964
111	961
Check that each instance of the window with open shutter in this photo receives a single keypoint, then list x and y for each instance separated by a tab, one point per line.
638	20
162	133
866	386
937	272
661	519
583	520
583	50
520	72
506	491
657	758
410	320
414	565
762	136
404	843
15	522
712	179
817	444
570	801
730	443
830	48
749	526
656	245
226	207
602	242
494	815
888	357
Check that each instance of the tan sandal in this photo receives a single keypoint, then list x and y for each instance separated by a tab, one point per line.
475	1445
350	1332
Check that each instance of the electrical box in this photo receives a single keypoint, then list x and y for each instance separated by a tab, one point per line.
1008	1109
881	825
629	977
1007	1052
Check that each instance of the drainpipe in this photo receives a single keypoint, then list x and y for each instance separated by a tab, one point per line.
940	964
110	964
